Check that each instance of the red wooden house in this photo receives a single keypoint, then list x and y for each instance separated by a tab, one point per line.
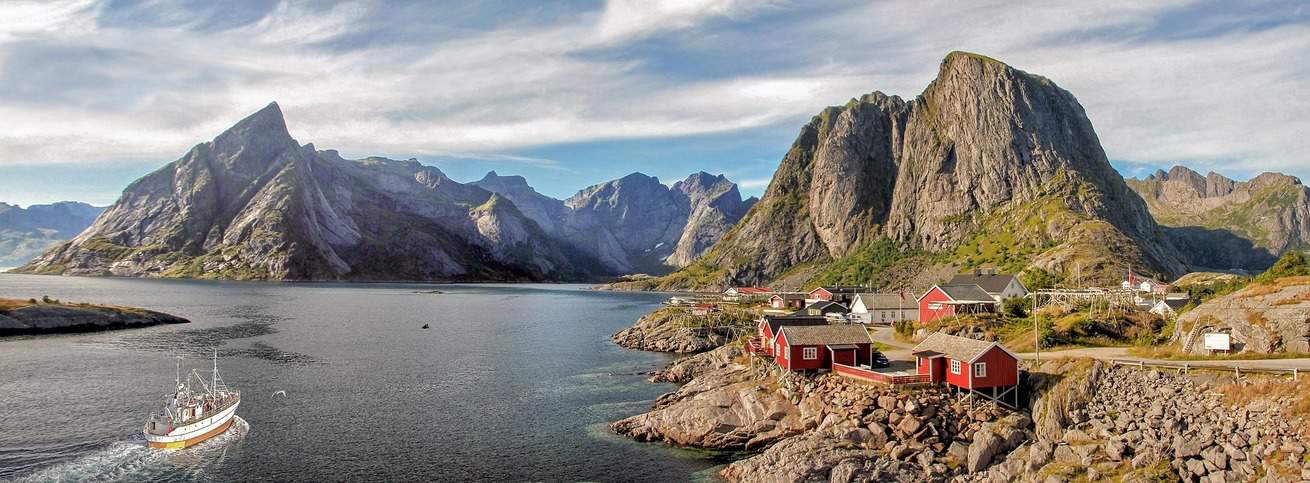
814	347
787	300
981	367
769	326
948	300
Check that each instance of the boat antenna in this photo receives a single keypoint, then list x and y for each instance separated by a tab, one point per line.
214	379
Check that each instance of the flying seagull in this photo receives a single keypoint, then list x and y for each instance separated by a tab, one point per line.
283	393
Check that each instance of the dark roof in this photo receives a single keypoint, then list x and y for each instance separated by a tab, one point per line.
1175	303
826	334
777	322
967	293
955	347
824	307
991	282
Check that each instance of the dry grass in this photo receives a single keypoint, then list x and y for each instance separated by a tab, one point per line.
11	304
1293	396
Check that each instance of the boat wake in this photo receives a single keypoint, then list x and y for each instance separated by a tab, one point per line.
131	460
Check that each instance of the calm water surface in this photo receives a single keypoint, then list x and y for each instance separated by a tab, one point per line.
512	382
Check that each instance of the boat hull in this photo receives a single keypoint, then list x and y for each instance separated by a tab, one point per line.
195	433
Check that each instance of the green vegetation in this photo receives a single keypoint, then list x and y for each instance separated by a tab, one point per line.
1060	328
868	265
1291	264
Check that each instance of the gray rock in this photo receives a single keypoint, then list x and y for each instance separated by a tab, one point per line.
982	450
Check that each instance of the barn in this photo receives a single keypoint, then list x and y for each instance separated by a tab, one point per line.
980	367
808	348
949	300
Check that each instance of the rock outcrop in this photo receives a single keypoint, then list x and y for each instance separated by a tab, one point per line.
995	165
19	317
688	368
1227	223
27	232
1145	425
255	204
670	329
1265	318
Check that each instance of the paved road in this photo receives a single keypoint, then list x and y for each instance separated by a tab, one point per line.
900	351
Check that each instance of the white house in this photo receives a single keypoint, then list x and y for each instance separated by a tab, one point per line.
870	308
999	285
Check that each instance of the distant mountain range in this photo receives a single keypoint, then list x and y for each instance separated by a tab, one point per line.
989	166
255	204
27	232
1271	211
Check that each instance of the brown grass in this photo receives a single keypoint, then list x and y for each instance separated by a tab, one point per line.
1293	396
11	304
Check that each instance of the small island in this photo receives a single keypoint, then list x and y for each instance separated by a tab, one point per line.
51	316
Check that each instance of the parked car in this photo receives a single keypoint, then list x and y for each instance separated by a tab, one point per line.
879	360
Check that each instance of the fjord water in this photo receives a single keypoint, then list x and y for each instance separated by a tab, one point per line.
512	382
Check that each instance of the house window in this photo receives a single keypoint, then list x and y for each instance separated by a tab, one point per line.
777	348
810	353
980	369
955	367
934	306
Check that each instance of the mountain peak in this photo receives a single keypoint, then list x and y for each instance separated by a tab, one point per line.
264	127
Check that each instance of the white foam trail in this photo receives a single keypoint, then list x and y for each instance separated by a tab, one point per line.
131	460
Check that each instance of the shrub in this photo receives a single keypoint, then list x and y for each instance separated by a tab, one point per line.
1015	307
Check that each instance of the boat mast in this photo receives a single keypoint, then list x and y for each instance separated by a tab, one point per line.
213	380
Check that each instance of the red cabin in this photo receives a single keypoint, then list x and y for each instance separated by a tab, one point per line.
948	300
787	300
770	325
981	367
813	347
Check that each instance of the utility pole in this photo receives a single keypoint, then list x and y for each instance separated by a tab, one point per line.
1037	333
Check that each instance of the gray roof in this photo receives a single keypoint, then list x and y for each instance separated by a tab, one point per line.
992	283
826	334
824	307
967	293
874	301
955	347
1175	304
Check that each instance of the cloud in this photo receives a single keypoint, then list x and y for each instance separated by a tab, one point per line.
1201	82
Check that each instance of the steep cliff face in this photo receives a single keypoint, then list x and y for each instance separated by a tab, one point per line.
254	204
634	223
27	232
1229	224
989	166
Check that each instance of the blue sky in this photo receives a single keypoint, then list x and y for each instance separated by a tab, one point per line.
93	94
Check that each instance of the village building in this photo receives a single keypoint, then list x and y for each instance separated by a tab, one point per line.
703	309
822	308
951	300
999	285
874	308
746	294
1168	308
1144	284
983	368
833	294
768	326
815	347
787	300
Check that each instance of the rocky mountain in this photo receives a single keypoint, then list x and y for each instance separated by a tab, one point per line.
989	166
27	232
634	223
254	204
1270	211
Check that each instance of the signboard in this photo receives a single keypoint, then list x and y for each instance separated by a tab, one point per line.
1218	342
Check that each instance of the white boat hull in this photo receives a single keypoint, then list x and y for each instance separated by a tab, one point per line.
194	433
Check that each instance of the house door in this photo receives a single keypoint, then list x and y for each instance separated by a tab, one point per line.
938	368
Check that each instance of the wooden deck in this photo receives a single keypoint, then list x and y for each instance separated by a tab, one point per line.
879	377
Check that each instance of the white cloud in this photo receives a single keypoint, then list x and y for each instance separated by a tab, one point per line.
1230	99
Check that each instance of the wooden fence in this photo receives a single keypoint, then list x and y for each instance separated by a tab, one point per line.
1185	367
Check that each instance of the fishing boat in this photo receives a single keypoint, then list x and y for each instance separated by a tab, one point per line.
193	413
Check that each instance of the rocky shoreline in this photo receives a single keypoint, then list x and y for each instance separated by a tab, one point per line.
663	331
32	317
1088	421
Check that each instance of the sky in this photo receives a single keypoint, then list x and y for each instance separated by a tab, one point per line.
94	94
